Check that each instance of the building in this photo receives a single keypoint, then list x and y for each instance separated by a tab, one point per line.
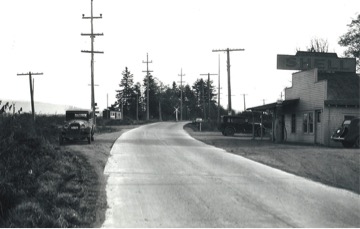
324	94
109	114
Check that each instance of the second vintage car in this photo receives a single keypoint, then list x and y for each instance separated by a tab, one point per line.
231	124
348	133
79	125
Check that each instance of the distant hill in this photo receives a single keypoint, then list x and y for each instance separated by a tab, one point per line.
40	108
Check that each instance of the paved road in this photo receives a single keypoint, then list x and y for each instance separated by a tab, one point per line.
159	176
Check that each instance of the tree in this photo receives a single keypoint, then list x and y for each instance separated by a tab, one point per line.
153	102
125	95
318	45
351	40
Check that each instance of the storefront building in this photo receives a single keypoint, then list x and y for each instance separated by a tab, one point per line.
323	94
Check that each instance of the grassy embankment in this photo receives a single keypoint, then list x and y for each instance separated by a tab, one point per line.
42	184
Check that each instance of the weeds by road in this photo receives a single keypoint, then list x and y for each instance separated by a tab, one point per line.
44	185
336	167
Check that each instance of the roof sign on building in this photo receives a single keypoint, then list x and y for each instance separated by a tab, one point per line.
328	62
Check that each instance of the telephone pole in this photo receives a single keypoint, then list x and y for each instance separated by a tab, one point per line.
30	74
228	71
181	98
208	84
92	36
218	117
244	101
148	85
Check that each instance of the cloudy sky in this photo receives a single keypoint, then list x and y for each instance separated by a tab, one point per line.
44	36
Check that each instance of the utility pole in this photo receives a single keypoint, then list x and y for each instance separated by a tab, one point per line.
218	116
92	36
244	101
181	98
148	85
30	74
208	83
228	71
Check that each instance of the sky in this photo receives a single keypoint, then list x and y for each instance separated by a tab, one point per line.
44	36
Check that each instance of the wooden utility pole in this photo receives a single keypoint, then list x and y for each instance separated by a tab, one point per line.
244	101
208	84
181	97
218	116
228	71
92	36
148	84
30	74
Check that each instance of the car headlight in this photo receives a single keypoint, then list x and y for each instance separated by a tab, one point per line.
82	126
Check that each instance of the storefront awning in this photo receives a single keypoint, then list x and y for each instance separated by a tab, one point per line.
272	106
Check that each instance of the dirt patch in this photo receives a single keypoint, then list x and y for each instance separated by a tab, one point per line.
96	155
338	167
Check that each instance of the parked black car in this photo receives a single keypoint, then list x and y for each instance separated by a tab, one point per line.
79	125
230	125
348	133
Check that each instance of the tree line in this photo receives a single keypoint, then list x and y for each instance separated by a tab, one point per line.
198	100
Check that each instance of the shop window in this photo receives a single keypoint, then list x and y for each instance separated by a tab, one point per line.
308	122
305	123
311	122
293	123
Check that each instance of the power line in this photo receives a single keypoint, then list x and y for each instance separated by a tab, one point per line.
228	71
30	74
148	84
92	36
208	74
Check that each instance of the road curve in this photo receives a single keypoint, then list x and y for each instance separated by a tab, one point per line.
159	176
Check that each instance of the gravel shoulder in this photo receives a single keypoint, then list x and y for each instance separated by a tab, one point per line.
96	155
337	167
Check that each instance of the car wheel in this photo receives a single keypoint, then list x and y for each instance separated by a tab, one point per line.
347	144
357	142
229	131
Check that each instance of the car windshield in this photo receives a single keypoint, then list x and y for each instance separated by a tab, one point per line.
347	122
76	115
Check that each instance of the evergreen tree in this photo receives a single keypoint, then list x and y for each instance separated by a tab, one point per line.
125	95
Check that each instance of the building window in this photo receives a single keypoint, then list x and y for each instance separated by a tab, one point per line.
318	116
293	123
305	123
311	122
308	122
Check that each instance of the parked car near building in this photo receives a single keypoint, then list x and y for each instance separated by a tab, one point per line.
79	125
348	133
229	125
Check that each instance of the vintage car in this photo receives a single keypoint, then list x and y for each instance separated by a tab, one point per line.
79	125
348	133
231	124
